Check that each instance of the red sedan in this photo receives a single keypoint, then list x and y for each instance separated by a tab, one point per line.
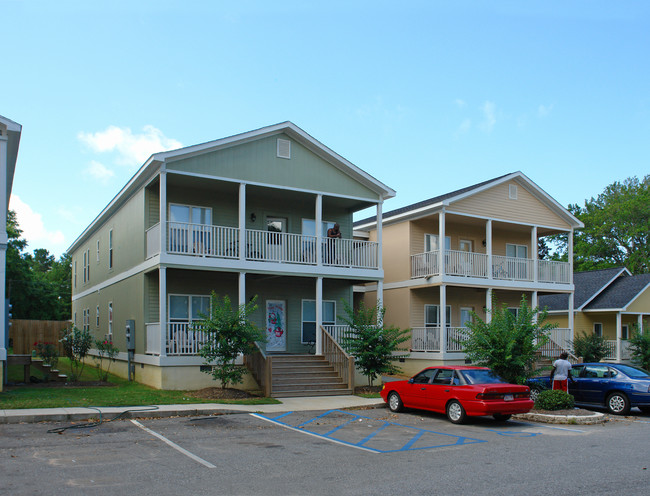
458	391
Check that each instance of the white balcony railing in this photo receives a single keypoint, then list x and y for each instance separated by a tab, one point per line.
182	339
611	350
466	264
202	240
560	340
264	246
427	339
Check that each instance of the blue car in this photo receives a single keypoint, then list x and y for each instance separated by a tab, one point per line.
614	386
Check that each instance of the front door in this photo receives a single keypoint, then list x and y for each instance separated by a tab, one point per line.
276	325
275	242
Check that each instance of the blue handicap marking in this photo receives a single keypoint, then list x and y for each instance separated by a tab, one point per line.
383	439
514	433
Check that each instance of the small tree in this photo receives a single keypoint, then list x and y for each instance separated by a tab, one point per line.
371	343
640	348
508	344
76	344
106	351
229	332
591	347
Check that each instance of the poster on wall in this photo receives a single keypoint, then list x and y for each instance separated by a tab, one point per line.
276	327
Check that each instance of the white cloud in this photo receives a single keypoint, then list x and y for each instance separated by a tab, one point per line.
99	172
34	231
132	149
489	114
460	103
544	110
465	126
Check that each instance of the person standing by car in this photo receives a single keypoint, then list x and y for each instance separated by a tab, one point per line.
560	373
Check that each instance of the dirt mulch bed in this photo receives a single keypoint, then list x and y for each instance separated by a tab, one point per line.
217	393
578	412
367	389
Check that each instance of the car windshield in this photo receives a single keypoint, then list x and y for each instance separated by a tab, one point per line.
480	376
634	372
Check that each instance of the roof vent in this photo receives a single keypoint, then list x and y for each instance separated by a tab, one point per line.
284	148
512	191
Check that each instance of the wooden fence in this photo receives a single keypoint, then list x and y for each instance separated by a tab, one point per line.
24	333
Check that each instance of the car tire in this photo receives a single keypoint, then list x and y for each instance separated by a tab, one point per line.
618	404
395	402
455	412
502	417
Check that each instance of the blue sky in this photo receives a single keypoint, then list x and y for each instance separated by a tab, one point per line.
426	96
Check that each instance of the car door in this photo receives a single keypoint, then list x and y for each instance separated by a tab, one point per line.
438	391
415	393
594	382
574	385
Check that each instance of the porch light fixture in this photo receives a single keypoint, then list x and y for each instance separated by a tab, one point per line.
484	242
253	217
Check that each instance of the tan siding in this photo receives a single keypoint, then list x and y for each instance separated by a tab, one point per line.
494	203
396	302
396	259
642	303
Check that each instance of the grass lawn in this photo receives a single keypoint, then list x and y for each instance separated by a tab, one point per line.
122	393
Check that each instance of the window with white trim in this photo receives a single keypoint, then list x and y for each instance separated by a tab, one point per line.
432	316
97	250
74	274
110	249
308	327
309	227
431	242
624	332
187	308
110	321
97	317
598	329
516	251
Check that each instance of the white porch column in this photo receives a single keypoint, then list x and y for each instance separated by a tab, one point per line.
162	307
380	294
242	221
570	253
441	242
163	211
488	249
488	306
533	304
443	320
318	216
319	315
242	288
619	332
571	316
533	252
379	238
639	323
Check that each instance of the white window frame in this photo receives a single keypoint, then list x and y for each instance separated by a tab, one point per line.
434	324
326	225
469	310
97	251
110	249
97	318
598	331
110	321
189	303
625	332
303	321
469	242
430	238
74	274
514	311
517	252
187	205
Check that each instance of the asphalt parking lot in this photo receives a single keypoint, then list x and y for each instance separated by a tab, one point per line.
326	452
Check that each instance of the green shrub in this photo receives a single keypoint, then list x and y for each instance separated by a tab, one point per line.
591	347
554	400
640	349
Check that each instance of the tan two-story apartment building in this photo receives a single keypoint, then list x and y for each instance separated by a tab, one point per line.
461	252
244	216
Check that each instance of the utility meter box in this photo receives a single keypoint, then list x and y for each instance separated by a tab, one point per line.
130	335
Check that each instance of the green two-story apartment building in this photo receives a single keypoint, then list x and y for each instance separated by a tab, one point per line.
243	216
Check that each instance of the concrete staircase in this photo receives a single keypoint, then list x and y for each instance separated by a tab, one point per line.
305	375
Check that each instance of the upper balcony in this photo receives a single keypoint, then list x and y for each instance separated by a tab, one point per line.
477	265
221	242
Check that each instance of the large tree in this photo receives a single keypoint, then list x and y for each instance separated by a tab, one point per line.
616	232
37	285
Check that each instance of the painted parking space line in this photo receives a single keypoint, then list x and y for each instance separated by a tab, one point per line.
369	434
174	445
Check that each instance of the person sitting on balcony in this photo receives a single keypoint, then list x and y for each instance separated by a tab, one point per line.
332	234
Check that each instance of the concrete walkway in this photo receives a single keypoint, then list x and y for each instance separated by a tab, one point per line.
159	411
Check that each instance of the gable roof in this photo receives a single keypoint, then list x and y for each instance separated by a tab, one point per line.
150	168
425	206
606	288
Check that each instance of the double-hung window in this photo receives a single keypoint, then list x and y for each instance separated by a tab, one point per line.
187	308
517	261
189	228
309	318
431	242
432	316
110	249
